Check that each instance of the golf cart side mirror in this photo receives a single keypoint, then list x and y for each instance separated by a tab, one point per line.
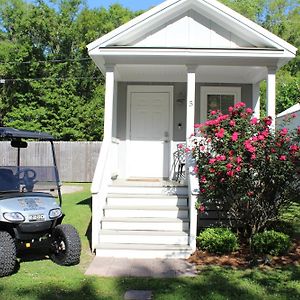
18	144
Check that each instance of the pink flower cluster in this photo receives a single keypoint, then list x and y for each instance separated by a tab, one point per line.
235	136
249	147
220	133
241	141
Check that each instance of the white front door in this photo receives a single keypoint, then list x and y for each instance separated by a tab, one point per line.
149	132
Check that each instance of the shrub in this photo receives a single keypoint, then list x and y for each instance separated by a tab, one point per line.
283	226
217	240
246	168
270	242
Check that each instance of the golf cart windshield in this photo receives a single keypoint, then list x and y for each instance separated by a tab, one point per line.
24	169
27	179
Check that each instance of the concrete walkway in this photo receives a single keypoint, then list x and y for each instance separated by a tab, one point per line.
69	189
157	268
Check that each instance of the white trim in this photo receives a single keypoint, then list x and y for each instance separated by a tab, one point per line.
217	90
271	95
190	103
141	23
293	109
256	99
109	102
122	30
149	89
128	51
239	19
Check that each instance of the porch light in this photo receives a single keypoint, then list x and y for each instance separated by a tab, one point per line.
181	99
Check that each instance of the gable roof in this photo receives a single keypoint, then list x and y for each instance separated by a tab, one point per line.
154	19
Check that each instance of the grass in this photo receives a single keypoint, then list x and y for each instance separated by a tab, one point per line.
41	279
292	216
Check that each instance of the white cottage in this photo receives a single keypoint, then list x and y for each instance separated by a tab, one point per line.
164	70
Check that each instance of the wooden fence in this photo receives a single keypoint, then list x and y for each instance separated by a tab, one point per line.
76	160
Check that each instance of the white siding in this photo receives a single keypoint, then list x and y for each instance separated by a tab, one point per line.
192	30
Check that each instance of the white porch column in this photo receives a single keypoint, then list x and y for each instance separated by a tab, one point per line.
190	103
256	99
109	102
190	178
271	95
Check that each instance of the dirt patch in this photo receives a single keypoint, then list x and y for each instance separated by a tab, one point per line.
243	258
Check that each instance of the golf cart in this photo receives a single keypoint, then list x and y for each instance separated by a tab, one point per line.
30	216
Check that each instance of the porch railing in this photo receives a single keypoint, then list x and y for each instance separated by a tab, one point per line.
105	169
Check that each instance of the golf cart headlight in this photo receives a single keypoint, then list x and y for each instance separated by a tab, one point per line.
14	217
55	213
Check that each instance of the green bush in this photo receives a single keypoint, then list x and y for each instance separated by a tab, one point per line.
217	240
270	242
282	226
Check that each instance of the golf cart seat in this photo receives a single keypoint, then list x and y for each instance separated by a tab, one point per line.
8	181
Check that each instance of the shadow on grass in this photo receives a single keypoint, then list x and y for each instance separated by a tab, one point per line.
212	286
53	292
88	233
278	281
87	201
217	283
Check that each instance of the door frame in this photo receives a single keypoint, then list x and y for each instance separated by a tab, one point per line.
149	89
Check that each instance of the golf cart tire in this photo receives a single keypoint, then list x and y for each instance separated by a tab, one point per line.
8	254
66	245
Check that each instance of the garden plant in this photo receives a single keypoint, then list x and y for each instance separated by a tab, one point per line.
245	167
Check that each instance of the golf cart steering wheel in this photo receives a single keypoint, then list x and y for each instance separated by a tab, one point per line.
28	178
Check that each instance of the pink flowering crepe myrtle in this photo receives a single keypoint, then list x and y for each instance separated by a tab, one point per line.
242	165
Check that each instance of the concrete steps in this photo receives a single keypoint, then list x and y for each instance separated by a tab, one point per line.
145	221
138	237
146	211
143	250
147	199
161	224
150	190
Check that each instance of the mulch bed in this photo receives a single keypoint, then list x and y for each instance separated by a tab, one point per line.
243	258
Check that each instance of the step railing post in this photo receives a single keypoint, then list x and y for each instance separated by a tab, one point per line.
193	191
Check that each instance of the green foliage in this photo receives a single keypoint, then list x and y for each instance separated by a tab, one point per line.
51	83
270	242
245	168
217	240
283	226
291	215
281	17
252	9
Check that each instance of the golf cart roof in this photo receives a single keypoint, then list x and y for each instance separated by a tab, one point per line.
8	132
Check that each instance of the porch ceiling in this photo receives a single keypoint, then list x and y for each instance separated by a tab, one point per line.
178	73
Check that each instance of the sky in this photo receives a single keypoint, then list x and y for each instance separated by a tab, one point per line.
131	4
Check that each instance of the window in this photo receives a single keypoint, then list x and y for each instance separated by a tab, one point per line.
218	98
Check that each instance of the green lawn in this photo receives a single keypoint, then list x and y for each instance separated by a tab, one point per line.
41	279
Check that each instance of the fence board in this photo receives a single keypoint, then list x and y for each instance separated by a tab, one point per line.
76	160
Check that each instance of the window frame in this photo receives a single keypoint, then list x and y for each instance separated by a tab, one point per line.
217	90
